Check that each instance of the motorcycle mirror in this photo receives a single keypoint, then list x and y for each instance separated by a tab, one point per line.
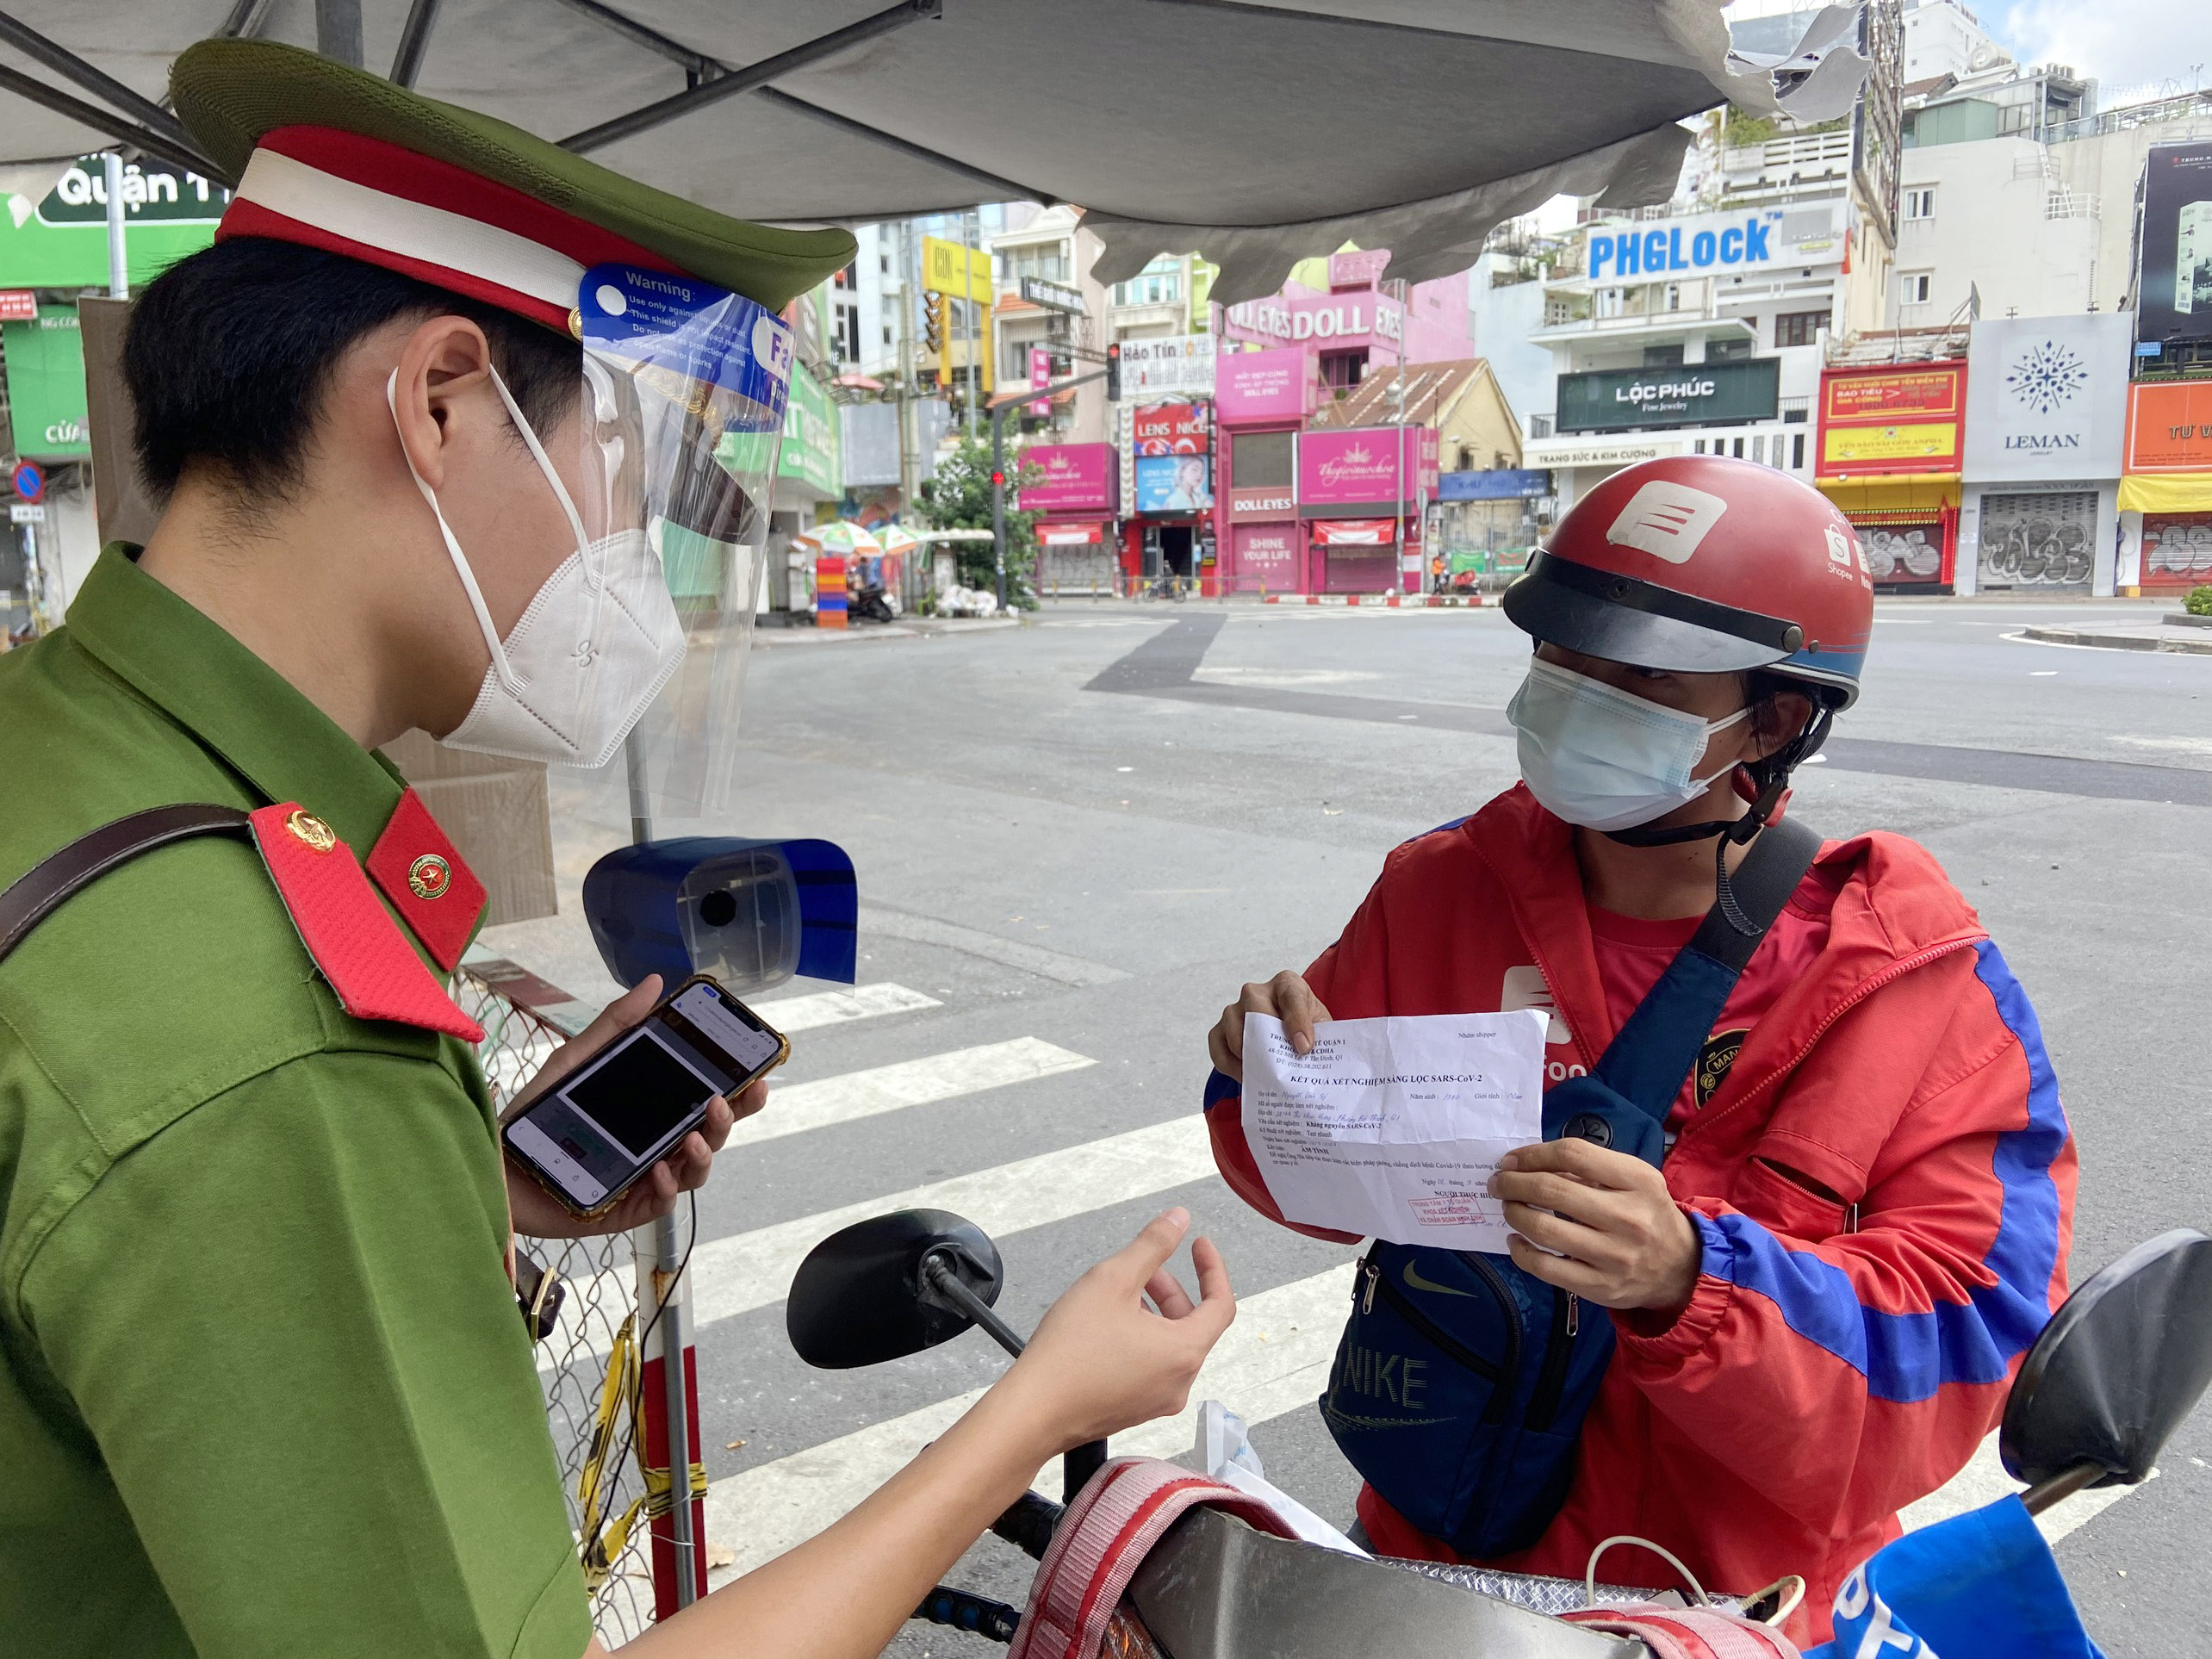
2123	1361
891	1286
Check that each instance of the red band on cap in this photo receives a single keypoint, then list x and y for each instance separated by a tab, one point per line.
425	218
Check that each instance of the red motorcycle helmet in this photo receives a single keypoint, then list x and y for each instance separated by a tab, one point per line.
1701	564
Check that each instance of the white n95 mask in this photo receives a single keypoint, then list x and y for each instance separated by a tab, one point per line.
589	655
1604	758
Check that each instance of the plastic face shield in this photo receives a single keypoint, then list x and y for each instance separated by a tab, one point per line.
681	422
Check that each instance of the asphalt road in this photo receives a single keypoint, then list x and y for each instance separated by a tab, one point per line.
1075	839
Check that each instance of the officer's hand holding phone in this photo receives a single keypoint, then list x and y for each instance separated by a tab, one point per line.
538	1215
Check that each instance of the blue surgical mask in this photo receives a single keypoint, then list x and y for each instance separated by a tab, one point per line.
1603	758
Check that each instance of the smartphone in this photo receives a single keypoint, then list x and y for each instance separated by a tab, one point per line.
607	1122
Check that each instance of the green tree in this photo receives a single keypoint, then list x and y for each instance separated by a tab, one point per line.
958	497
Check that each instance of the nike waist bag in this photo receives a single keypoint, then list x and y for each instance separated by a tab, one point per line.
1459	1388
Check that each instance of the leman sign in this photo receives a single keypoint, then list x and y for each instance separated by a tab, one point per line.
2046	397
1693	395
1760	239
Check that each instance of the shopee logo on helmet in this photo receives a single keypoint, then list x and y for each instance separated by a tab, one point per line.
1667	520
1846	558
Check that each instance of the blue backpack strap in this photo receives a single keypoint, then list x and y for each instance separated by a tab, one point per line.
1624	1102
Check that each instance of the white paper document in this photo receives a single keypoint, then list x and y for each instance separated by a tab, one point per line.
1392	1128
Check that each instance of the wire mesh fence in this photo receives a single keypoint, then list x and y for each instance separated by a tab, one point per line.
599	1275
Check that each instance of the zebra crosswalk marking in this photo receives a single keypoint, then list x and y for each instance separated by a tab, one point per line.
741	1271
1274	1359
795	1108
822	1008
735	1275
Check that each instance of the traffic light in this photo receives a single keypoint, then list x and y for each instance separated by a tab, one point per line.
933	320
1114	372
999	481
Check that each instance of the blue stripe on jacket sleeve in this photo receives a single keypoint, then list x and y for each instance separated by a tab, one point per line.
1907	1357
1220	1087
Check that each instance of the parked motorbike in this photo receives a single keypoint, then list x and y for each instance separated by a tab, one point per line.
2111	1377
870	603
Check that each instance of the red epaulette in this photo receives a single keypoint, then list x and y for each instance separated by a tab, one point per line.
422	873
350	935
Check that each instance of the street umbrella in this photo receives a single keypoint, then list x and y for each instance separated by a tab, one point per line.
1258	133
843	535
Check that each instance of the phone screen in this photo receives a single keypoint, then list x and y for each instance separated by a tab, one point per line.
598	1130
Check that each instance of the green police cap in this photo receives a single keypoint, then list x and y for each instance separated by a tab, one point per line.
338	158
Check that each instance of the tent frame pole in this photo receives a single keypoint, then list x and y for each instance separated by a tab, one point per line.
731	82
102	86
115	127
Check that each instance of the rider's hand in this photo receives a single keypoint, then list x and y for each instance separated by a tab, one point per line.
538	1215
1288	997
1102	1361
1623	1240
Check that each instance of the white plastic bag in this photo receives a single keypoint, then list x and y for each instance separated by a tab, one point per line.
1227	1455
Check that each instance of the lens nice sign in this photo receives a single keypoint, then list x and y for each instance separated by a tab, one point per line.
2046	397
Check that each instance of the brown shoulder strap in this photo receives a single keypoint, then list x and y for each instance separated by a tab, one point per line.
44	887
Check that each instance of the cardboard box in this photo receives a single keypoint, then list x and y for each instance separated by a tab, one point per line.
495	809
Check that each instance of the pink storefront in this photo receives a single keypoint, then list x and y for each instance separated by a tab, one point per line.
1260	400
1360	493
1333	511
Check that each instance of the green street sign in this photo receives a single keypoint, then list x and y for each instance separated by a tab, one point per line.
62	241
1680	394
810	435
45	384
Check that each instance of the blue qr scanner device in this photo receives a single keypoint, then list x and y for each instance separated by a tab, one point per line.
751	913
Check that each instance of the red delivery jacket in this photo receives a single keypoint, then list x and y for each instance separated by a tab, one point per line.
1837	1360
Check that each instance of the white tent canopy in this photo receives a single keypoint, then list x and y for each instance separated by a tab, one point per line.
1261	133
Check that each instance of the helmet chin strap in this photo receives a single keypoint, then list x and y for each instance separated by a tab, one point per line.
1768	799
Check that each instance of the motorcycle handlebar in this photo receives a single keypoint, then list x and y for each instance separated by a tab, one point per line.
1028	1524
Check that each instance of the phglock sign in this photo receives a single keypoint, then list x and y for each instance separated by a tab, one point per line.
1755	241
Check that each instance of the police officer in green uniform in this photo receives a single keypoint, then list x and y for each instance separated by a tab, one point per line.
263	1387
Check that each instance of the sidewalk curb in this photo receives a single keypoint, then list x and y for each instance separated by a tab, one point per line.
1391	601
2118	642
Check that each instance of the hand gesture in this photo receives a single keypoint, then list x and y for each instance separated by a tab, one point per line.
538	1215
1288	997
1102	1361
1623	1241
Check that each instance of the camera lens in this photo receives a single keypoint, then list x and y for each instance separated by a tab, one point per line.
718	910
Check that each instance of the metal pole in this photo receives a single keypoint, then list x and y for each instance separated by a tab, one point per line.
118	271
338	30
1398	488
668	1250
667	1257
902	395
974	328
998	495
